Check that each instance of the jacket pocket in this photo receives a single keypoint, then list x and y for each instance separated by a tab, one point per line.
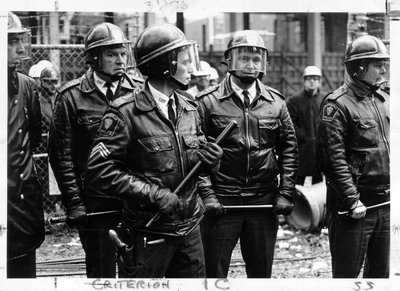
268	129
366	133
219	122
191	145
158	155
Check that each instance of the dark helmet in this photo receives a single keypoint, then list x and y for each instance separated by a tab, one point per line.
14	24
251	44
156	48
366	47
103	35
245	38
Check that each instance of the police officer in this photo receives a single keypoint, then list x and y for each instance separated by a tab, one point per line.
200	78
261	148
353	137
146	145
25	221
79	108
303	107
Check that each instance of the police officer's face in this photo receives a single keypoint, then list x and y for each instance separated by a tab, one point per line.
248	65
15	49
184	67
375	72
50	85
113	61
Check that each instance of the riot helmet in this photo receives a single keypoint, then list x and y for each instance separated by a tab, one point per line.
102	36
156	51
50	79
246	52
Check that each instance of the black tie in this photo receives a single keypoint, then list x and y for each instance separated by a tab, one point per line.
109	92
246	99
171	112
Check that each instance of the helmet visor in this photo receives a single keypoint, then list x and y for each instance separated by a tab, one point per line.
189	55
248	59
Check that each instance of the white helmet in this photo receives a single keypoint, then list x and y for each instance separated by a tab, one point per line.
312	71
204	70
36	69
213	73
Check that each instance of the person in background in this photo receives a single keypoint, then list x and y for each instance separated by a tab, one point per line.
49	83
304	109
147	144
80	105
25	217
354	151
200	78
36	70
214	77
259	150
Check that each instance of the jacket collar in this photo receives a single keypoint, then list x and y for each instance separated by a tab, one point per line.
226	90
87	84
146	102
361	90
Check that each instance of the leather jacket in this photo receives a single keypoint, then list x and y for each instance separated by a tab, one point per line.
304	111
78	110
25	221
138	150
262	147
353	138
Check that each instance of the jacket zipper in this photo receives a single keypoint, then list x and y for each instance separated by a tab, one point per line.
246	119
176	135
382	126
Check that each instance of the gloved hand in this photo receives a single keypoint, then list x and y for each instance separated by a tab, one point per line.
76	215
210	155
213	207
283	205
359	211
167	201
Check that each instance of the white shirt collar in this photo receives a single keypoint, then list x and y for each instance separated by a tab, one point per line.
100	84
252	90
161	100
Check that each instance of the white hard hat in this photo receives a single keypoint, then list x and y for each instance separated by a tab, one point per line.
204	69
36	70
312	71
213	74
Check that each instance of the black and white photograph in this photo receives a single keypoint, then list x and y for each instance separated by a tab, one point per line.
193	145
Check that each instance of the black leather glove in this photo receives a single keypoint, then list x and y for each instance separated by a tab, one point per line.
213	207
76	215
283	205
210	155
167	202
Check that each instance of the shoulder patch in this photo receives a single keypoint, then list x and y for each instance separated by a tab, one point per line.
337	93
123	100
329	111
276	92
108	125
69	84
207	91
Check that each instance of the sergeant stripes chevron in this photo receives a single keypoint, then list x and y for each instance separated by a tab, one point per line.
100	148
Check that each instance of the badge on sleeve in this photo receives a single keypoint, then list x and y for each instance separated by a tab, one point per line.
108	125
328	112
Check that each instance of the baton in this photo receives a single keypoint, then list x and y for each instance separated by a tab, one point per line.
369	207
59	219
239	207
195	169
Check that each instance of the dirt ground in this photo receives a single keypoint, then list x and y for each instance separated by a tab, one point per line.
297	255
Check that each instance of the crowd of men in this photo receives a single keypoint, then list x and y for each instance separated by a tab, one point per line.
175	196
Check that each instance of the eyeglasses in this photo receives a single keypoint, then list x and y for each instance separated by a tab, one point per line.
309	78
55	82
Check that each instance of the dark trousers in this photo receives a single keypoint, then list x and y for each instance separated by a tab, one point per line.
23	266
172	257
352	240
99	250
257	230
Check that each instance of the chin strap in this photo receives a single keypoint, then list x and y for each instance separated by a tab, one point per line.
180	84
